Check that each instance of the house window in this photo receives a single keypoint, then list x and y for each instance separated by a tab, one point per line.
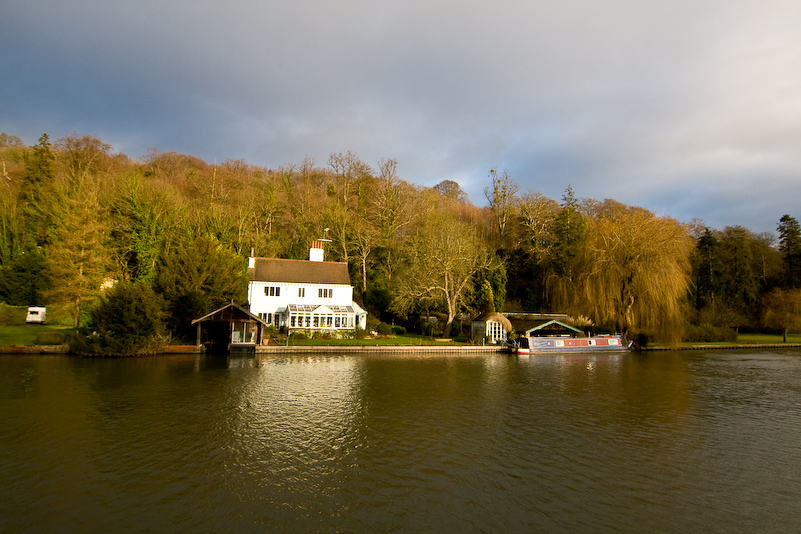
272	291
301	292
324	293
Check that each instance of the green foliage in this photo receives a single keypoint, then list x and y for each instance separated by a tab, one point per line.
128	320
398	330
486	298
196	278
90	215
50	338
790	248
384	329
569	234
23	281
12	315
144	218
707	333
34	191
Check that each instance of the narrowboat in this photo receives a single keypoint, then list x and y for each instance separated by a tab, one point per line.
556	336
532	345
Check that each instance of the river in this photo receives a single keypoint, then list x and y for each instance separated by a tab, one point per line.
659	442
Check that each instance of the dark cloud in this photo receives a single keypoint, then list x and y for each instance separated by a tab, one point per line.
684	108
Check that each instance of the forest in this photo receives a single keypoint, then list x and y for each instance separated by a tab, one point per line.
83	229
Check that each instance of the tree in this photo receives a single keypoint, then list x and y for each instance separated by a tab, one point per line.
33	194
782	310
145	219
790	248
632	273
348	169
451	190
83	155
77	259
127	320
538	218
197	277
738	283
569	233
23	281
442	259
502	197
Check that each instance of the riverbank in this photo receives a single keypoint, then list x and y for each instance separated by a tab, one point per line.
721	346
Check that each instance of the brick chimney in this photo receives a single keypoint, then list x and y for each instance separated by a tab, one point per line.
316	252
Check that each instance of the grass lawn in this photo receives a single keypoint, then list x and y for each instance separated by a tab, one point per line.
25	335
767	338
753	339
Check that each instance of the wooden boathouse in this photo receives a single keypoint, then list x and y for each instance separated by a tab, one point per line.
229	329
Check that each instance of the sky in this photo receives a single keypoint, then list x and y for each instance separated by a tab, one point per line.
690	109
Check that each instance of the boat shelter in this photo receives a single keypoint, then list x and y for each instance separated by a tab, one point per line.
229	329
553	328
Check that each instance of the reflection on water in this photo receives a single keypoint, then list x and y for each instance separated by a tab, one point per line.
610	443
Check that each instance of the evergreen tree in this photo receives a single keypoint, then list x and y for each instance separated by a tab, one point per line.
127	320
569	233
790	247
35	190
77	259
196	278
23	281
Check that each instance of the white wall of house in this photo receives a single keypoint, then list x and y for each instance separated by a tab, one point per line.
270	300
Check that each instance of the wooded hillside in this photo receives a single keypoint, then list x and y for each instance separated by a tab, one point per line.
75	218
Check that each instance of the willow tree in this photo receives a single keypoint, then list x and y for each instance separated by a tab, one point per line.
442	259
782	310
632	273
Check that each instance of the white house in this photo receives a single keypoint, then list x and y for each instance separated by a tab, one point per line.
304	295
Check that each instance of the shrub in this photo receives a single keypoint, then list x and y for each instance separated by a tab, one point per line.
384	329
399	330
50	338
127	321
299	335
12	315
706	333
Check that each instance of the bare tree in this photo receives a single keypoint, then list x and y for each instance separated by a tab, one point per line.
502	197
442	259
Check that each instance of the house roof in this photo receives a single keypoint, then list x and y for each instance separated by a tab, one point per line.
299	271
494	316
229	312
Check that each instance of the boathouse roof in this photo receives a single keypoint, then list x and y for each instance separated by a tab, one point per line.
229	312
494	316
553	328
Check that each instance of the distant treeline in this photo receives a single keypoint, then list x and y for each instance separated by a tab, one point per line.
76	218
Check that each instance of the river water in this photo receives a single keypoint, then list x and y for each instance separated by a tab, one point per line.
660	442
